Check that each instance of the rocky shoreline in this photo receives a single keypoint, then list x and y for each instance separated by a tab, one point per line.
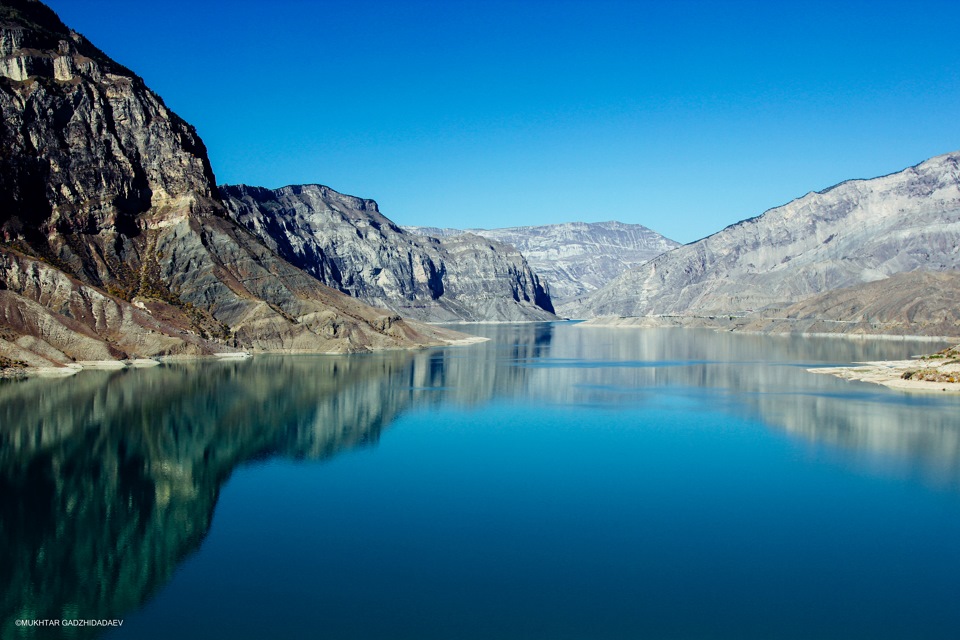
16	370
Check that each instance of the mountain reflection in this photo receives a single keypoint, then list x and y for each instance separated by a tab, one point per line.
766	377
108	480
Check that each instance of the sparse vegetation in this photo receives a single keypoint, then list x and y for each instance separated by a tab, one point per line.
941	369
9	363
951	352
932	375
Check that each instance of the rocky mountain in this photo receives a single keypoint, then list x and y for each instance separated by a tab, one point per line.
856	232
914	303
574	258
920	303
114	234
346	243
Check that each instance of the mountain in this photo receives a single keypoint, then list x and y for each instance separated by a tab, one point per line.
856	232
112	230
574	258
346	243
914	303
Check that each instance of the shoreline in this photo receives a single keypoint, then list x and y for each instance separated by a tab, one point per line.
714	323
888	373
938	372
73	368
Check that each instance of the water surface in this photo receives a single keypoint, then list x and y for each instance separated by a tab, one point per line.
556	482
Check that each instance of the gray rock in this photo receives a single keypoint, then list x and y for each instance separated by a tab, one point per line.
574	258
346	243
921	303
856	232
101	182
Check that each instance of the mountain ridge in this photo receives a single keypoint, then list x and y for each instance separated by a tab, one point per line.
574	258
347	243
855	232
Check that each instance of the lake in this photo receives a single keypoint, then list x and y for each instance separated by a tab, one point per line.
555	482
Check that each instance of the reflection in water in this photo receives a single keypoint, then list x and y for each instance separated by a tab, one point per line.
109	479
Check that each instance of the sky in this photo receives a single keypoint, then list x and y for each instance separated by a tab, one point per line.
684	116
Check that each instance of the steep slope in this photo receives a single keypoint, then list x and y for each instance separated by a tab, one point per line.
346	243
101	183
856	232
48	319
915	303
574	258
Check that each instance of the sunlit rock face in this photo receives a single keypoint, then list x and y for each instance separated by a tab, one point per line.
856	232
102	183
921	303
573	258
346	243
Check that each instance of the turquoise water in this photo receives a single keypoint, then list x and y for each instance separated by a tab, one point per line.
555	482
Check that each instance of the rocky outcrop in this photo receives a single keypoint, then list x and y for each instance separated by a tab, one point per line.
856	232
346	243
48	318
101	182
574	258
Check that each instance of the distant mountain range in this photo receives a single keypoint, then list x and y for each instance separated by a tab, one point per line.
853	234
346	243
573	258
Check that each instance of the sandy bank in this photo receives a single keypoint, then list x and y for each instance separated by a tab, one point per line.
939	372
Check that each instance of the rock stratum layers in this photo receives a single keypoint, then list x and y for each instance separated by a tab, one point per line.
574	258
346	243
857	232
115	241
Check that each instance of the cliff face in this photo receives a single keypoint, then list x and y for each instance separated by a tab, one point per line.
346	243
574	258
859	231
103	185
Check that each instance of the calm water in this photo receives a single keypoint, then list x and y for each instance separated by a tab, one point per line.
556	482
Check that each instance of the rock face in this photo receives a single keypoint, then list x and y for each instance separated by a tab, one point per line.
915	303
107	192
856	232
574	258
47	317
918	303
346	243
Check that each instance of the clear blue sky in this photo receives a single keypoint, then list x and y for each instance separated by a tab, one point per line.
682	116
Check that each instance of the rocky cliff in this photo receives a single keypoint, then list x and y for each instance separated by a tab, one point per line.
346	243
856	232
107	192
574	258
